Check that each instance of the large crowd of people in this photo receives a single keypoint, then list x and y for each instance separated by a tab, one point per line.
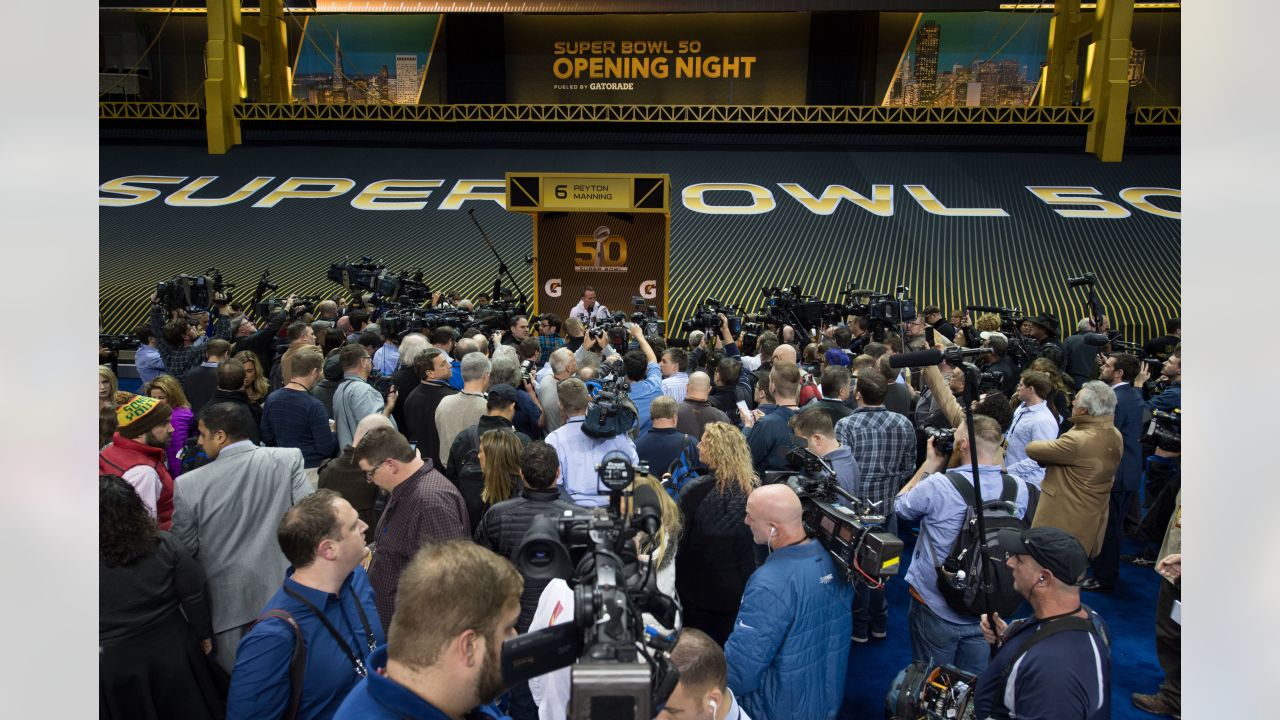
310	515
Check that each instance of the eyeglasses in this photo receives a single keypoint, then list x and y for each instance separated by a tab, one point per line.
368	474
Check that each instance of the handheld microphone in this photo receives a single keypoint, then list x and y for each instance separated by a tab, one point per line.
921	358
648	509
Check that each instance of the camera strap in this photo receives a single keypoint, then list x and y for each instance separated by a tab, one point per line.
357	662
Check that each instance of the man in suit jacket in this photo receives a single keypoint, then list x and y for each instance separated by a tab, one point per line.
1118	372
1079	468
226	513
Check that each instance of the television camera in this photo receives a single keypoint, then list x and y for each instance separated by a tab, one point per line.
883	312
194	293
620	670
1165	430
374	277
646	316
707	318
849	528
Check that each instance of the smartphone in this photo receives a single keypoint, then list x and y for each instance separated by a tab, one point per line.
928	336
742	406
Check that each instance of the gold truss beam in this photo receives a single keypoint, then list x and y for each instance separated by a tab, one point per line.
729	114
148	111
1157	115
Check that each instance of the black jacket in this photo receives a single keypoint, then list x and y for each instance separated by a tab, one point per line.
469	440
420	418
262	342
240	398
199	385
716	553
406	381
725	399
833	407
344	476
502	530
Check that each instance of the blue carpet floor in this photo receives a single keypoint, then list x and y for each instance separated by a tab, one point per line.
1129	613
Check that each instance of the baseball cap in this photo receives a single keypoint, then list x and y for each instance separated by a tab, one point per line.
1059	552
501	394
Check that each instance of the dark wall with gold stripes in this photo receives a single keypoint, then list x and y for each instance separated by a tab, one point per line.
1021	259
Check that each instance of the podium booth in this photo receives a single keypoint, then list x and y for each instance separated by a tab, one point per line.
610	232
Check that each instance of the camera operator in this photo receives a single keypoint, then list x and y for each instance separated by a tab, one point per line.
1081	358
814	426
597	345
443	656
703	691
1043	328
938	633
998	362
580	453
181	340
1171	372
261	341
1058	663
645	376
1162	347
788	655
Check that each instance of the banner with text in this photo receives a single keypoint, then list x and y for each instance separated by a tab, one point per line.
738	59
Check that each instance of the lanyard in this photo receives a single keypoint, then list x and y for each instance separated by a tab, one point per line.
357	663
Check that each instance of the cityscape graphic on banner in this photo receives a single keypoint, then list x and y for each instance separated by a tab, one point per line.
971	60
384	61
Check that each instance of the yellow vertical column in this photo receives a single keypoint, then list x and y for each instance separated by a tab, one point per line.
225	83
273	70
1064	35
1107	79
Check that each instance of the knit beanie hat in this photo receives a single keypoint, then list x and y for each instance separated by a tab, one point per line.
137	414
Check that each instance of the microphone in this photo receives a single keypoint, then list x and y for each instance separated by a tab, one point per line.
1085	279
987	309
648	509
921	358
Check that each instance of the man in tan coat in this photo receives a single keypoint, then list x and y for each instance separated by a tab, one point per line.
1079	468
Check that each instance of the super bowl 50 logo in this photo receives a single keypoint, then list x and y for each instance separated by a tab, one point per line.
601	252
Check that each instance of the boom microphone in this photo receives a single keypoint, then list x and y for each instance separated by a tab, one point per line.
648	509
987	309
921	358
1095	339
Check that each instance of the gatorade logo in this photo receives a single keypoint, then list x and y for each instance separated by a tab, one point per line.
649	289
552	287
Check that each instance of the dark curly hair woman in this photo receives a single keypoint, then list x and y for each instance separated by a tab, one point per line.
151	658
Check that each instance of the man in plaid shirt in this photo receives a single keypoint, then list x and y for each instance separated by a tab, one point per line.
181	342
549	336
884	445
424	507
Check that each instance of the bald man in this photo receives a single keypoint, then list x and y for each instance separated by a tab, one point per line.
789	651
693	414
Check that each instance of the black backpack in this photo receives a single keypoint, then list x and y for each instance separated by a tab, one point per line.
959	575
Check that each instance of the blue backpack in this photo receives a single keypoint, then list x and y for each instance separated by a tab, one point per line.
680	473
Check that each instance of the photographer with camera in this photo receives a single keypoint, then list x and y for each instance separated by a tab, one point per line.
181	339
788	655
458	603
933	496
1057	663
580	453
1081	355
1170	399
645	376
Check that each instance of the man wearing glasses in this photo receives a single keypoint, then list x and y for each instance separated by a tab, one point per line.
424	507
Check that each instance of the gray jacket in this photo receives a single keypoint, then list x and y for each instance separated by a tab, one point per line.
352	402
226	514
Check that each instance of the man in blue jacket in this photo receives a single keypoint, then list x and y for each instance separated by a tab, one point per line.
789	651
1118	372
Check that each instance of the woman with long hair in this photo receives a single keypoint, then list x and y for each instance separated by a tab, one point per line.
154	628
716	553
167	388
661	550
499	459
256	385
107	388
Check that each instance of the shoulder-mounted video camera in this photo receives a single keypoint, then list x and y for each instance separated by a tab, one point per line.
1165	430
374	277
617	665
846	526
193	292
